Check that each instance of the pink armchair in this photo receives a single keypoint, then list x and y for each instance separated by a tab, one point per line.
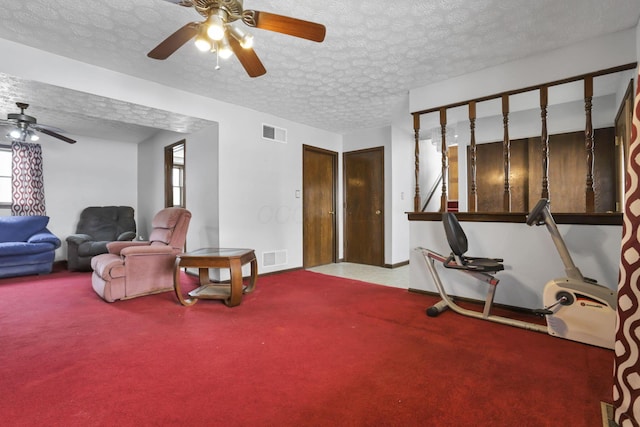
133	269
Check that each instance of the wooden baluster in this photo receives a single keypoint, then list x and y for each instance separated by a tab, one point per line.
544	141
588	141
473	200
506	144
416	131
445	159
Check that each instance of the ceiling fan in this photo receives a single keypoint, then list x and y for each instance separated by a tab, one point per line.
24	126
217	33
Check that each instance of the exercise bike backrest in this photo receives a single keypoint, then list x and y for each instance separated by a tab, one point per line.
455	234
459	245
541	215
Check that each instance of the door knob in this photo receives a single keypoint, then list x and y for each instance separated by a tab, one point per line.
378	212
331	212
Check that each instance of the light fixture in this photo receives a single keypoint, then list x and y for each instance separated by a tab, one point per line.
245	39
224	50
215	25
21	134
214	33
202	42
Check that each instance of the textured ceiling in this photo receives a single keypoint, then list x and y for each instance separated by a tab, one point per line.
373	54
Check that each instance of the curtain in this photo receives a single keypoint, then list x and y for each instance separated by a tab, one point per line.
27	179
626	386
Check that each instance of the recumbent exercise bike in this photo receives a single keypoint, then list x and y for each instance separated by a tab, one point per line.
576	308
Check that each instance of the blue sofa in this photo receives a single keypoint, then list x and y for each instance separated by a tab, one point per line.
26	246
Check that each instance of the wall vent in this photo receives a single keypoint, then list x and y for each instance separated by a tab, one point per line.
273	258
273	133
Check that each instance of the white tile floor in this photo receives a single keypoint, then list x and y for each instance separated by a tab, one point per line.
397	277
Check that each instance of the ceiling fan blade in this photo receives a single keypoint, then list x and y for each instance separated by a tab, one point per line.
185	3
174	41
285	25
248	58
54	134
40	126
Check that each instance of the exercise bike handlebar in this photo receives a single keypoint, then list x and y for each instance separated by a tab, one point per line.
539	215
536	215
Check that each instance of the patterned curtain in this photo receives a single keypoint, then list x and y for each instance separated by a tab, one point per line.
27	179
626	387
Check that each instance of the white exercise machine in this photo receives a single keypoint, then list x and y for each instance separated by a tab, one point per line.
575	307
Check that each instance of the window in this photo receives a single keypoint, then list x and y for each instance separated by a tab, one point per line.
174	166
5	176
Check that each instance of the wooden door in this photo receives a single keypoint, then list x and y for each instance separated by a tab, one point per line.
319	178
364	204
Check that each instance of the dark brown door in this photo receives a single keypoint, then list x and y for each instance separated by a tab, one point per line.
319	177
364	203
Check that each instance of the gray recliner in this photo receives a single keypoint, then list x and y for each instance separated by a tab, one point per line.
98	225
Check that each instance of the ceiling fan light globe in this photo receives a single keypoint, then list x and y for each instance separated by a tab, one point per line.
224	49
15	133
203	44
33	137
215	27
245	39
225	52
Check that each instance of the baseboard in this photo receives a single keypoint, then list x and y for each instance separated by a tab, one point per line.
396	265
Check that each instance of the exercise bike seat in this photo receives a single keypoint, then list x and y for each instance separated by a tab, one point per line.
459	245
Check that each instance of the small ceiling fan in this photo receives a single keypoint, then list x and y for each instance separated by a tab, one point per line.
25	127
217	33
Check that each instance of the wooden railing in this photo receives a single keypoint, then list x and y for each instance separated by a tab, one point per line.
544	138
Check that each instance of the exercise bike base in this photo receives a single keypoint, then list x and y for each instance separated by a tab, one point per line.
437	308
592	320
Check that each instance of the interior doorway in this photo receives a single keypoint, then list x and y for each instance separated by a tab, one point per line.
364	206
319	189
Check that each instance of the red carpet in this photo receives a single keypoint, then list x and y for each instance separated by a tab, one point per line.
304	349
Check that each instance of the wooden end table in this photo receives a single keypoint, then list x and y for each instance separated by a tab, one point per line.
207	258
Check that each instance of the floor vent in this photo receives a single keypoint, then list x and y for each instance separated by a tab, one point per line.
273	258
273	133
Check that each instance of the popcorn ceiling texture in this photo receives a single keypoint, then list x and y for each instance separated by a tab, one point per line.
374	53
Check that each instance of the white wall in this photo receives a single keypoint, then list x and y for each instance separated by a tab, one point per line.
92	172
258	183
591	55
402	175
201	179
